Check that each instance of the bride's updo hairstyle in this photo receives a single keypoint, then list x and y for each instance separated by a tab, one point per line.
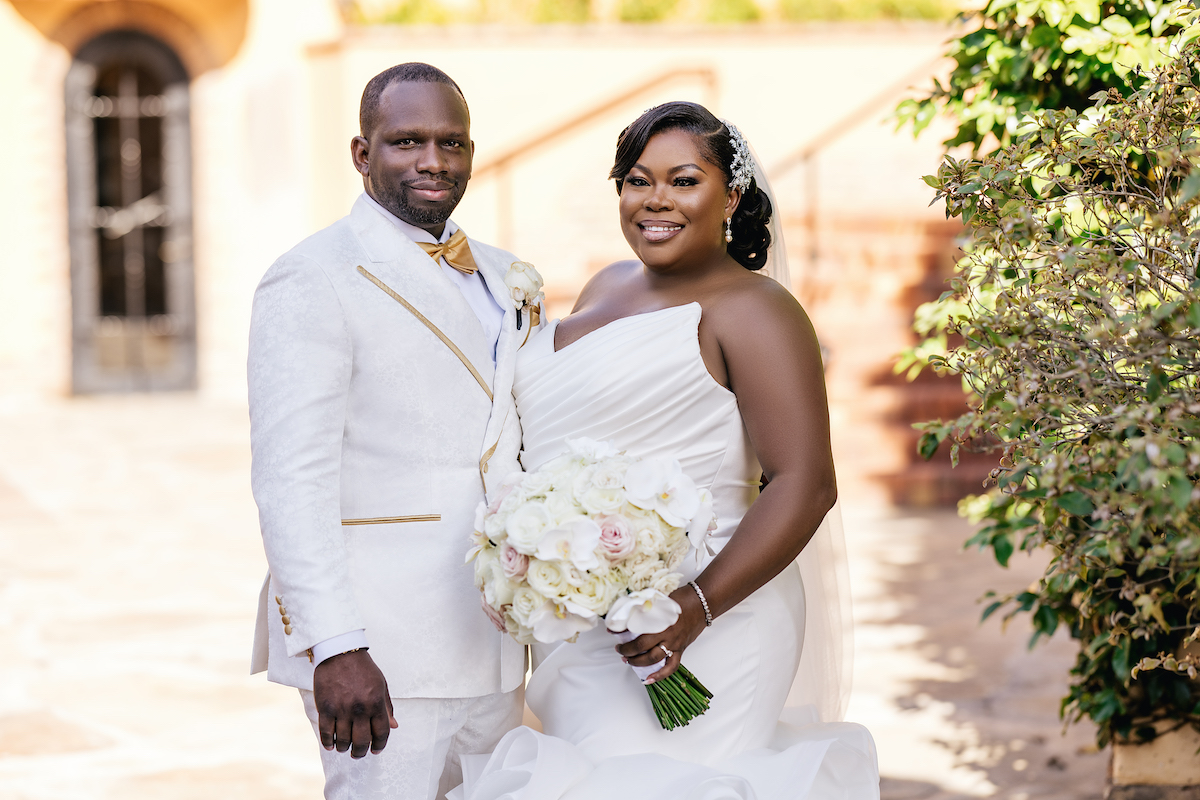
751	238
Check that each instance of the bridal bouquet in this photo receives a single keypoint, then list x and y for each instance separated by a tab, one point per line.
594	534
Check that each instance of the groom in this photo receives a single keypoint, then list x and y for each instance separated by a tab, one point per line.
380	374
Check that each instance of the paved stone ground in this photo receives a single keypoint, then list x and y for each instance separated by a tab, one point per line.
130	565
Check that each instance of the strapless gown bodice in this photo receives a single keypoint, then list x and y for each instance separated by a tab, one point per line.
641	383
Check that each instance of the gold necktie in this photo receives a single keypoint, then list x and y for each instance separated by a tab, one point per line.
456	251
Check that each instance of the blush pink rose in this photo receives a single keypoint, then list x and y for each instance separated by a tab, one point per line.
514	564
616	540
495	616
505	490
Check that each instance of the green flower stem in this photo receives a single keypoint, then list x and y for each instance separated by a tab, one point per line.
678	699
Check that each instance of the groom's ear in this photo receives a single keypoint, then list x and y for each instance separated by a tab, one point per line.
360	154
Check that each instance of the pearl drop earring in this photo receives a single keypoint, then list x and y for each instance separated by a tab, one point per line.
728	230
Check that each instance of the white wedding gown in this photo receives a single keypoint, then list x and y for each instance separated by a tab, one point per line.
641	383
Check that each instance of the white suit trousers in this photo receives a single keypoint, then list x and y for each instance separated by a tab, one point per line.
421	759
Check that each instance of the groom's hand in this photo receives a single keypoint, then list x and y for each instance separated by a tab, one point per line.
354	711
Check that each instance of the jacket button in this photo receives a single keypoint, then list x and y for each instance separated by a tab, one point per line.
278	599
282	609
287	623
287	629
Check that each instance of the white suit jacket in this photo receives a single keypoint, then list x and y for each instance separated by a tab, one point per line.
377	422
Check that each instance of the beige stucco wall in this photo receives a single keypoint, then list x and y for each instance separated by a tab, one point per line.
34	270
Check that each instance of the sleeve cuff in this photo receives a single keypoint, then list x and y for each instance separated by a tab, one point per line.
336	645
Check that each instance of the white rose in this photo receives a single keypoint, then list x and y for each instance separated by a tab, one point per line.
536	484
512	501
590	450
595	593
524	283
525	601
560	504
525	526
640	568
497	588
548	578
494	524
651	535
599	488
666	580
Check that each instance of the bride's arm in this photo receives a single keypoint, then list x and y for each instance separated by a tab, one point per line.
774	367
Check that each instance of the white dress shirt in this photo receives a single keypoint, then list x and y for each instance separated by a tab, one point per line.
491	317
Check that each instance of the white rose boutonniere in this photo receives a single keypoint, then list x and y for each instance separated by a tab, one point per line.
524	284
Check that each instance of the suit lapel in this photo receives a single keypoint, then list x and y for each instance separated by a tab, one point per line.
506	356
508	343
407	270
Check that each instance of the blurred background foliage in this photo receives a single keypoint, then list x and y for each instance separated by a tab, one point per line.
445	12
1018	56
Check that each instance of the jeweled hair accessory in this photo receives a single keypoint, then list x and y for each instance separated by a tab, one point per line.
742	167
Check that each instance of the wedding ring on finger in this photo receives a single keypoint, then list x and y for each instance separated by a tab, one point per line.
663	647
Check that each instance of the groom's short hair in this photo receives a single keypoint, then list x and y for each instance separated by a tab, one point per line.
412	72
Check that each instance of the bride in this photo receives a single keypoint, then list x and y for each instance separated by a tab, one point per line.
689	352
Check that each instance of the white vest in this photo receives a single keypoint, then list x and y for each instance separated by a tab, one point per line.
374	432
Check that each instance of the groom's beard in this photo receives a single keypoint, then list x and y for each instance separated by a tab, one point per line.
395	198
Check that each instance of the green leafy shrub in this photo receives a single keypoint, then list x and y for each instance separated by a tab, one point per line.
862	10
720	11
1076	312
576	11
1024	55
646	10
417	12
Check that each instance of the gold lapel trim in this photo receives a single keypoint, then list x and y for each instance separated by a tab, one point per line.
436	332
390	520
483	462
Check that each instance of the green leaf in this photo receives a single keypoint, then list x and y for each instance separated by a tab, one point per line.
1193	315
1190	187
1180	490
1120	660
929	443
1076	503
1157	383
991	609
1002	546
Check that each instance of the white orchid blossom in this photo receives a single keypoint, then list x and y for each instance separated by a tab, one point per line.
645	611
573	541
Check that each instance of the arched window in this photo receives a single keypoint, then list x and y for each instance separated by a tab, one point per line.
129	190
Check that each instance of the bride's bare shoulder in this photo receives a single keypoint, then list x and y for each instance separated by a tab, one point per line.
615	277
759	309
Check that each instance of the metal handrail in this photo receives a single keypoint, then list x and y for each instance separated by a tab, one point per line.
804	155
705	74
500	166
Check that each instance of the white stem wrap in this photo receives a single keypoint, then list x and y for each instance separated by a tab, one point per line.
642	672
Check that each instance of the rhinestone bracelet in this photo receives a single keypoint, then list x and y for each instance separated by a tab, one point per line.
707	614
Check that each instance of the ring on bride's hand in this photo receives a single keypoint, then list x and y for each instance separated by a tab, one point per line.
663	647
